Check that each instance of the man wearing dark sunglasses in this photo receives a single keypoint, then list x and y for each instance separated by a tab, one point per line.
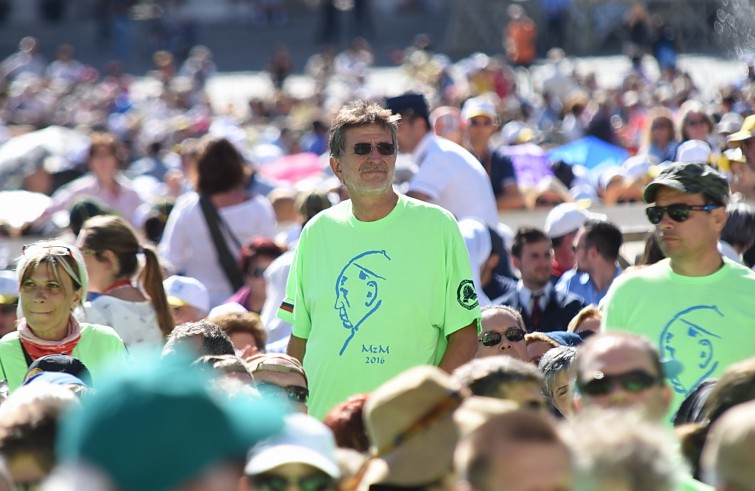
448	174
695	305
381	282
502	333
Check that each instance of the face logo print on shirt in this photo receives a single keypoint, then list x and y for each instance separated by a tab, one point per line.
688	339
467	295
358	290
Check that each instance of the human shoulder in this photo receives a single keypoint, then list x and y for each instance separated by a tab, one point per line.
98	331
8	339
186	200
566	298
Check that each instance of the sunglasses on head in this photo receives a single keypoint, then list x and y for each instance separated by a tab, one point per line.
294	393
493	338
383	148
52	250
678	212
276	482
602	384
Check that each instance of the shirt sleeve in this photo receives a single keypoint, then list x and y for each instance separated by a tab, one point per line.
294	309
432	177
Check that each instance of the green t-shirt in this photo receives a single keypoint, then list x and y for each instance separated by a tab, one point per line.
98	348
375	298
706	323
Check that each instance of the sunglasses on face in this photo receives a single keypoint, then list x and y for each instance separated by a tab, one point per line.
275	482
602	384
678	212
294	393
695	122
493	338
383	148
480	122
546	202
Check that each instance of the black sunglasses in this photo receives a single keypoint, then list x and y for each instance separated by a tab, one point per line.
602	384
294	393
384	148
678	212
493	338
275	482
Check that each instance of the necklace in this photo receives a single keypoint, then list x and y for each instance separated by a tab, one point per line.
116	286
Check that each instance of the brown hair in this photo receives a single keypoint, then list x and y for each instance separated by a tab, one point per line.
113	233
220	167
589	312
109	142
233	322
347	423
259	246
360	113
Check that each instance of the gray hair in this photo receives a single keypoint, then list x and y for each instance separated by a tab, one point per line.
360	113
214	340
739	230
620	447
505	308
553	362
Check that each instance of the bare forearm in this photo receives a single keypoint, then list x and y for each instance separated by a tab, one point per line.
461	348
297	347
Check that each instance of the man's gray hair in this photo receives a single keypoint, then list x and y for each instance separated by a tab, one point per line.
214	340
360	113
621	448
553	362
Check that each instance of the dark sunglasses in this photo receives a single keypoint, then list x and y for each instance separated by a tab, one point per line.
480	122
546	202
383	148
493	338
601	384
275	482
256	272
8	308
695	122
294	393
678	212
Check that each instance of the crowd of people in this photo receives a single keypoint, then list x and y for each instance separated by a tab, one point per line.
319	292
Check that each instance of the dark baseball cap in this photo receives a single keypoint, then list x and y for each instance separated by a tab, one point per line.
690	178
60	363
410	104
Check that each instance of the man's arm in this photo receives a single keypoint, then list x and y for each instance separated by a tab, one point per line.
297	347
418	195
462	346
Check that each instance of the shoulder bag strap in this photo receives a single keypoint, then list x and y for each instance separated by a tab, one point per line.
225	257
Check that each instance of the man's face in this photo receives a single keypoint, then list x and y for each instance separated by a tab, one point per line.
536	350
282	379
502	322
535	264
410	132
370	174
529	466
581	252
613	357
687	241
480	129
748	150
186	313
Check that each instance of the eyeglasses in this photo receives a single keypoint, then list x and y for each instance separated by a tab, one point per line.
480	122
678	212
546	202
493	338
602	384
275	482
256	272
294	393
383	148
8	308
695	122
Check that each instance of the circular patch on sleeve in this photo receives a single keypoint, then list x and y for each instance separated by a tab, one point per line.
467	295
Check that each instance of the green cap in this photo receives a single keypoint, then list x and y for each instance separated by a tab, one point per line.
690	178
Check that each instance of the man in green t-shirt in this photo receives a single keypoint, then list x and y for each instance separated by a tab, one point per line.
381	282
696	305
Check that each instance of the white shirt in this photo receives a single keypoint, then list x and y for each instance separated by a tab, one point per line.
135	322
187	244
454	179
525	296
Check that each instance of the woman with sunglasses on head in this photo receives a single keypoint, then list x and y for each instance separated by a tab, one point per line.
138	311
188	243
53	281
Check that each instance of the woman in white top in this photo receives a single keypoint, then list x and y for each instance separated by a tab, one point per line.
137	310
187	244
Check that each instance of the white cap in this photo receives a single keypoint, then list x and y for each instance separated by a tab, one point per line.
478	106
693	151
184	290
516	132
305	440
569	217
227	308
8	287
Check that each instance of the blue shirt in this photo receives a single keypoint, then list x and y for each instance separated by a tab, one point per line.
579	283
